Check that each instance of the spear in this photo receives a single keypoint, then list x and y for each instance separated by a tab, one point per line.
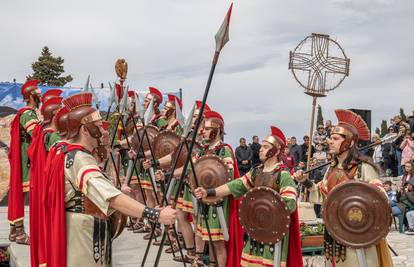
110	100
222	37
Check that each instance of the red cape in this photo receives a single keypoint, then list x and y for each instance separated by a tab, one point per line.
294	257
16	197
236	234
54	203
37	155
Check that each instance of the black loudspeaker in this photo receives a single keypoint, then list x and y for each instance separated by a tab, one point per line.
366	115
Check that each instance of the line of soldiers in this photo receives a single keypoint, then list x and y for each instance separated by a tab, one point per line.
75	207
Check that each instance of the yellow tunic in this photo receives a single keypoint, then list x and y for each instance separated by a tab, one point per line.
86	246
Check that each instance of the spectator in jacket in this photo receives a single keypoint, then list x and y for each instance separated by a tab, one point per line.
377	155
397	147
244	157
392	198
255	147
319	137
406	200
304	147
407	147
408	172
388	153
320	155
295	149
288	159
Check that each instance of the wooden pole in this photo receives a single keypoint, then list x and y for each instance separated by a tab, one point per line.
311	133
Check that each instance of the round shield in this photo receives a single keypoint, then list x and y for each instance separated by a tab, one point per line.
264	216
151	130
117	221
357	214
183	154
165	143
211	172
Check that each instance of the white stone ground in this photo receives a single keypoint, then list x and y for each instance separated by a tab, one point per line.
129	249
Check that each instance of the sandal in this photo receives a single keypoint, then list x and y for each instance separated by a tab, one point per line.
198	260
21	237
212	264
158	242
172	249
188	258
12	235
143	229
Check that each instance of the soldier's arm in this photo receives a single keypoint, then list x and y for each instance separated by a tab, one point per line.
288	190
370	175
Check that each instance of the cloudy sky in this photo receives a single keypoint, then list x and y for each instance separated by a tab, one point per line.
169	45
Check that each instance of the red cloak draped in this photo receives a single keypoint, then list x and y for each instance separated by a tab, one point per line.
294	257
236	233
54	203
37	155
16	196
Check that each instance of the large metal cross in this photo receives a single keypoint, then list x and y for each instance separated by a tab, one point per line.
318	64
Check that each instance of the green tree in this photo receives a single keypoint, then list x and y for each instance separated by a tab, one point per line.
48	69
384	128
319	117
402	115
377	131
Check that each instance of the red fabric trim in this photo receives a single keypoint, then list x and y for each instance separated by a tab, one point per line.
30	124
236	243
83	175
16	199
54	204
257	262
37	155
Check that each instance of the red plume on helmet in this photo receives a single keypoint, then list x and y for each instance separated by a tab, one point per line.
61	119
81	112
213	115
353	123
28	87
198	106
172	98
276	132
51	93
119	92
156	93
49	108
132	93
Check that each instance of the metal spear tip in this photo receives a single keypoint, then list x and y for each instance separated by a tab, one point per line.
222	36
139	106
86	87
149	112
179	113
189	122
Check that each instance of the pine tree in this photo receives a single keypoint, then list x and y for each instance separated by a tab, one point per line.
384	128
402	115
319	118
48	69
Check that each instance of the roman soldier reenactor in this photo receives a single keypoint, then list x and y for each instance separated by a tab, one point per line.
170	113
43	138
21	131
80	198
348	164
271	173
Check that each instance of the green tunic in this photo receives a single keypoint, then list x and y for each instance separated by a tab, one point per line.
28	121
263	255
50	139
224	152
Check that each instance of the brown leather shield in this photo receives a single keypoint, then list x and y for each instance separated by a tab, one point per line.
357	214
211	172
183	154
117	221
165	143
152	131
264	216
